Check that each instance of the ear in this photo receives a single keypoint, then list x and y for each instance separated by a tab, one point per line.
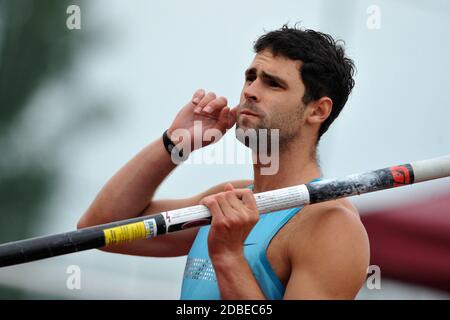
319	110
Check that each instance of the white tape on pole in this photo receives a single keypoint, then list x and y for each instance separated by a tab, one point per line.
265	202
282	198
431	169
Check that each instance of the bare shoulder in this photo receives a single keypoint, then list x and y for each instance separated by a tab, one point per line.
339	212
328	222
328	250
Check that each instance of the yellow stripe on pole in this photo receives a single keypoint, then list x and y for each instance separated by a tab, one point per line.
125	233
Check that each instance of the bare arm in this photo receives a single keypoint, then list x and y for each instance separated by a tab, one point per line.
173	244
234	214
236	280
330	259
129	193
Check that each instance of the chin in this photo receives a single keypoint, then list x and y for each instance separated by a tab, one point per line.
245	124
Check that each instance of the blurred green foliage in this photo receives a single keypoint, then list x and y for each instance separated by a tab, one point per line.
35	47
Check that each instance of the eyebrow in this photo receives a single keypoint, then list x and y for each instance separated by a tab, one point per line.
280	81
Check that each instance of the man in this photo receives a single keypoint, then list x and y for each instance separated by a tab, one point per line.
298	82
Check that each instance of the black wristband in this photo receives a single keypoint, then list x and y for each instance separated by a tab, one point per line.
169	145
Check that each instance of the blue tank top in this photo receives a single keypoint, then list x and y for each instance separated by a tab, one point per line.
199	279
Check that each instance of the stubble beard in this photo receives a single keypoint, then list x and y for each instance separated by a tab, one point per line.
287	125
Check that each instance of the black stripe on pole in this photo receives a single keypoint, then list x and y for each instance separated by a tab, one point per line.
63	243
50	246
160	223
356	184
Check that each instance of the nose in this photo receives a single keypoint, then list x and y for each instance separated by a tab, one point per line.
251	92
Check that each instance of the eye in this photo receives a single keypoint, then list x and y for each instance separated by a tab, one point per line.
273	83
249	78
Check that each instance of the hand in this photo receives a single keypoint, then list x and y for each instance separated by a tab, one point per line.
234	214
212	111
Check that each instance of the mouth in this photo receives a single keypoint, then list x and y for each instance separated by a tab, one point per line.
248	113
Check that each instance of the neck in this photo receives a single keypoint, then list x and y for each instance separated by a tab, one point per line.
296	165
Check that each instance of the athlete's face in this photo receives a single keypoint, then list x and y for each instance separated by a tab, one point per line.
272	92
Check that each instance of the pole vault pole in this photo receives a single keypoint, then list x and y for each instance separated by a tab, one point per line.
171	221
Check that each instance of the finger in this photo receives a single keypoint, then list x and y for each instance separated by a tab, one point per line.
222	121
226	208
210	96
198	95
214	208
234	201
215	105
248	199
242	213
232	117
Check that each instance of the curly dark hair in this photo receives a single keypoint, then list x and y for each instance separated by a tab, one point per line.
325	70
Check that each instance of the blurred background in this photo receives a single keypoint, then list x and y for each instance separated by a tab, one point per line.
77	104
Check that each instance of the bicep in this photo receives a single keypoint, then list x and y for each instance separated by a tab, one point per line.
334	262
308	284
